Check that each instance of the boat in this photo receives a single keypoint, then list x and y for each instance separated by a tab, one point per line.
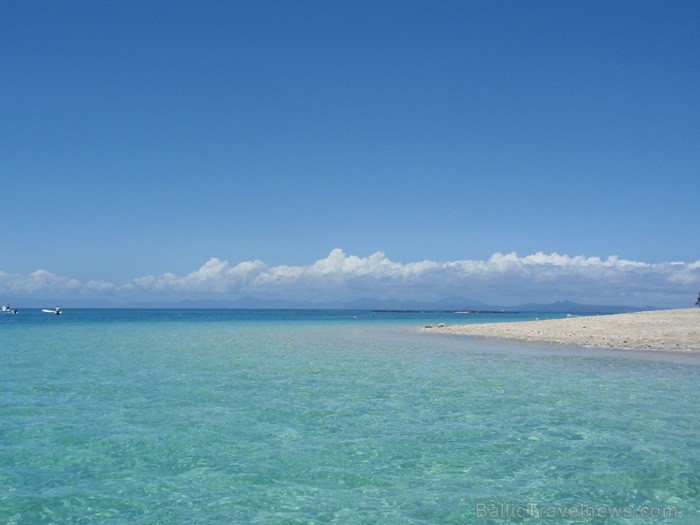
7	309
56	311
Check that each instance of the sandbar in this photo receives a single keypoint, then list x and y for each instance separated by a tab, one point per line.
650	330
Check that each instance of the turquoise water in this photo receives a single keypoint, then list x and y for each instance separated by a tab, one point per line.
162	416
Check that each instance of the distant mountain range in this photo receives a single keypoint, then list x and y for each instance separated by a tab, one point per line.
365	303
570	307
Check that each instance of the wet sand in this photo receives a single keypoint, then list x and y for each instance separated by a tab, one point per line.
653	330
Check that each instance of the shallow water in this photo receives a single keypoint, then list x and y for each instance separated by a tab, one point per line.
160	416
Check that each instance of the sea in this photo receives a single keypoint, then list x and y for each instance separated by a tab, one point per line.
335	416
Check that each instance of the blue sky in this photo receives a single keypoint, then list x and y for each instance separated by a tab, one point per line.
148	138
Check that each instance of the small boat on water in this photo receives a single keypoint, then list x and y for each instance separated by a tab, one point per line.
7	309
55	311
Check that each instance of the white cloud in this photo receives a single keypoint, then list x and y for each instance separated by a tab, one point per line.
37	282
98	286
502	279
215	276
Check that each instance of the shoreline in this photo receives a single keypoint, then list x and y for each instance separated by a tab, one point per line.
666	330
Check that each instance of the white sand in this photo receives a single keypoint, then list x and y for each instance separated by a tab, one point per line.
659	330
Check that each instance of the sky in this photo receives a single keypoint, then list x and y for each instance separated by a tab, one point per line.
501	151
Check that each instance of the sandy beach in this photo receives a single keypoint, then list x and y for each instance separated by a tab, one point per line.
653	330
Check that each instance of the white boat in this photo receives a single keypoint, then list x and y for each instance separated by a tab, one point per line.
56	311
7	309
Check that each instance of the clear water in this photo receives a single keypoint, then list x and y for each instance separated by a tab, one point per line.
166	416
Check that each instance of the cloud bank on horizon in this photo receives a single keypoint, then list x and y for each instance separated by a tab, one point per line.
502	279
